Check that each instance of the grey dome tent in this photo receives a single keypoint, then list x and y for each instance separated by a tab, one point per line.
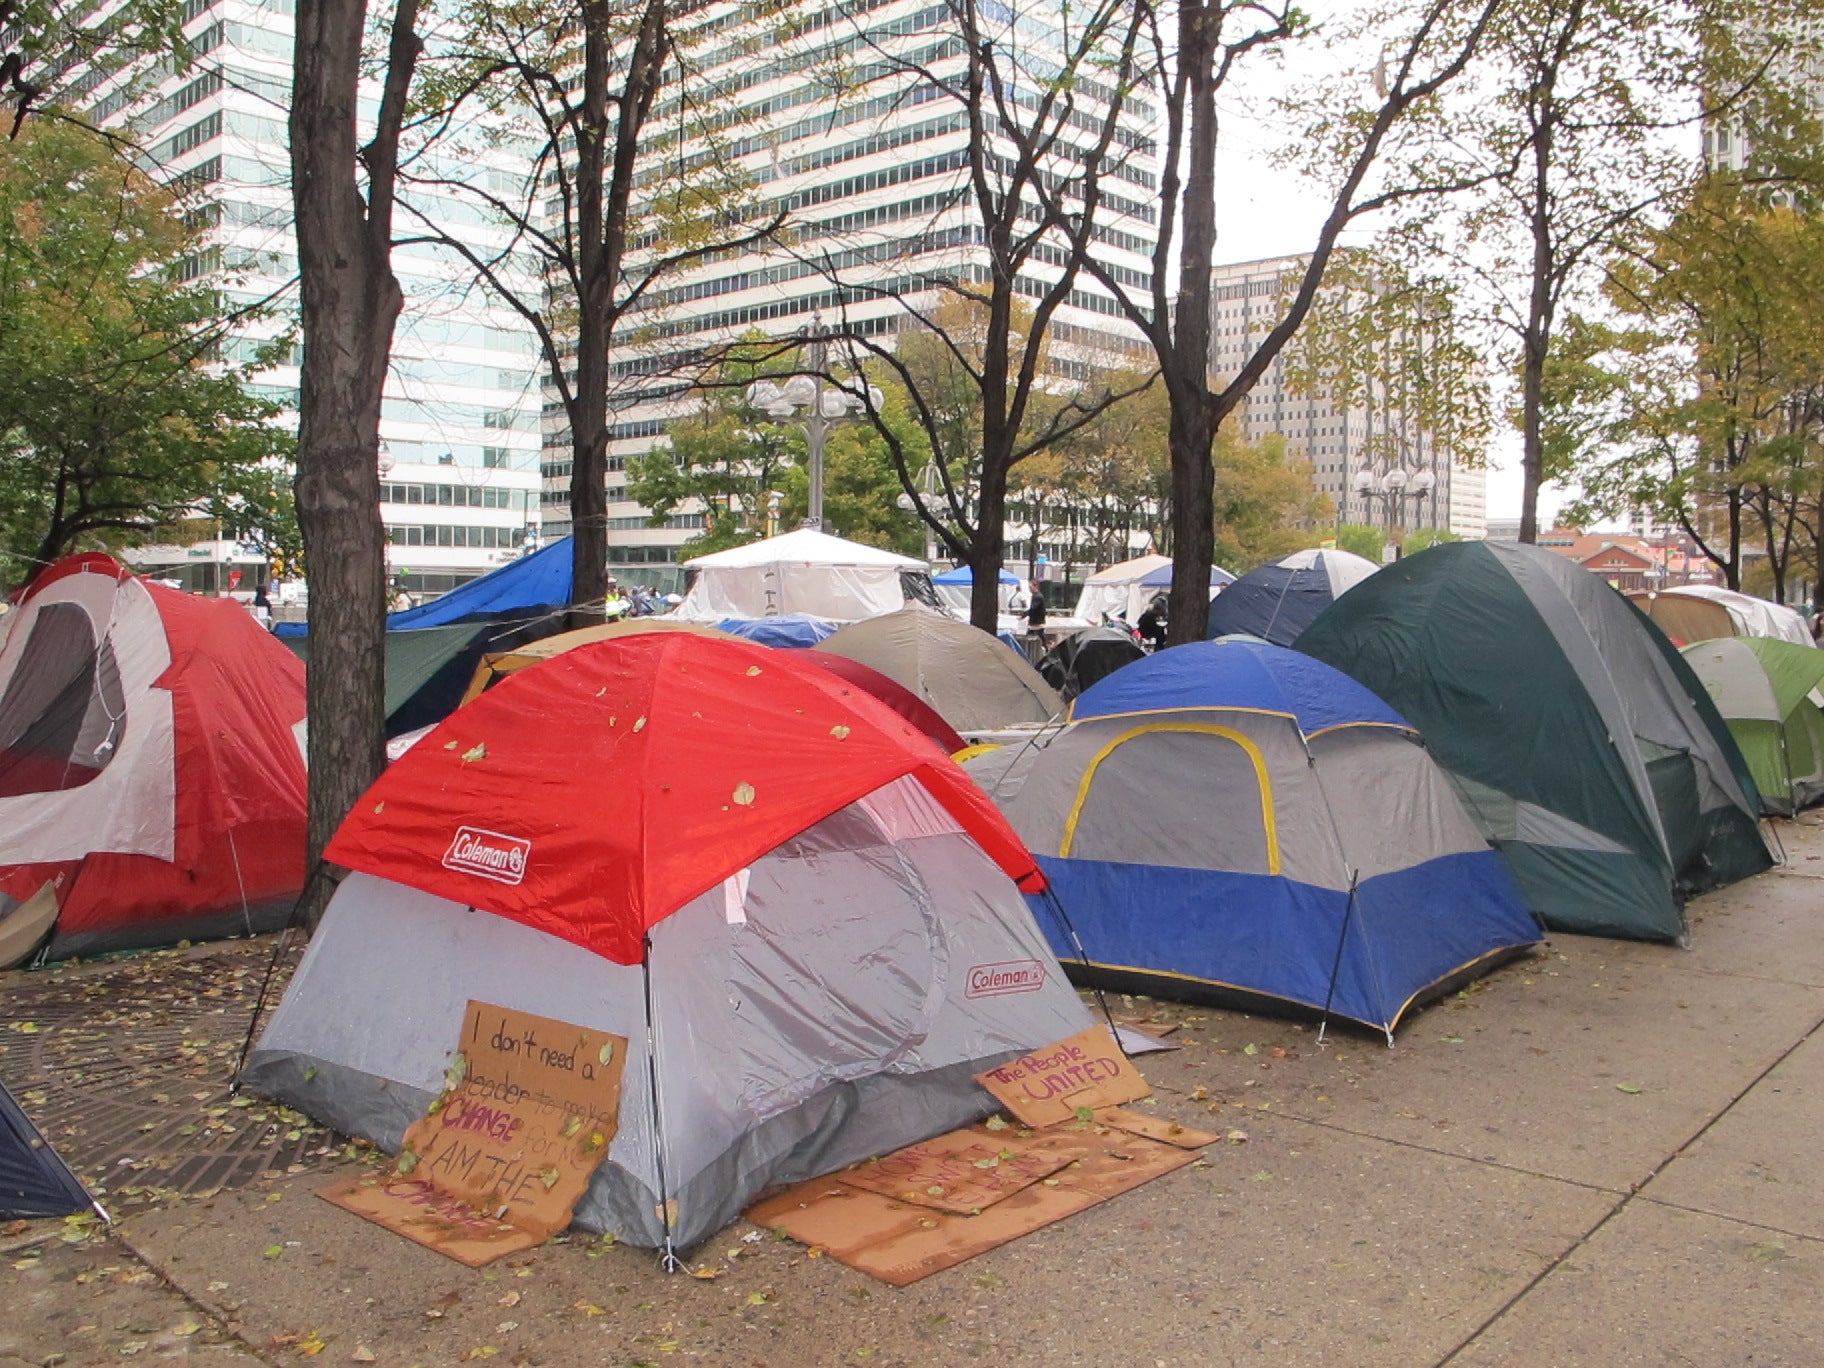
969	678
1577	737
34	1180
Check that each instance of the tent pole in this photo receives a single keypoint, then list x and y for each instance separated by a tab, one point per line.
1336	965
240	881
278	949
668	1260
1057	909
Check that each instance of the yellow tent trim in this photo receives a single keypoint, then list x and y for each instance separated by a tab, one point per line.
1205	728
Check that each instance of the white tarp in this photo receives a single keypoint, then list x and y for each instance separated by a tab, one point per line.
805	571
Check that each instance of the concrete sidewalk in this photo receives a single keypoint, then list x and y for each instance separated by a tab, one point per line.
1603	1155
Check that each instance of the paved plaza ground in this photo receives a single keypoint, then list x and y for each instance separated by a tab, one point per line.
1603	1155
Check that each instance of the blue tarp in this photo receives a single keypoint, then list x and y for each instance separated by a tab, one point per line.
1237	674
786	631
964	575
538	583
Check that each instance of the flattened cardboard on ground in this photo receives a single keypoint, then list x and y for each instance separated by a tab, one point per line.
1050	1084
1156	1128
413	1208
513	1141
961	1171
900	1242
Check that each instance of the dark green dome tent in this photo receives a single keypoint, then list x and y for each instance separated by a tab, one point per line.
1576	735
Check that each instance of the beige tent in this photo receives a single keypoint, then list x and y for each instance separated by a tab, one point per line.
972	680
1704	612
497	665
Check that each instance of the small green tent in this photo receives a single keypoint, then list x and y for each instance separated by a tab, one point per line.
1763	688
1577	736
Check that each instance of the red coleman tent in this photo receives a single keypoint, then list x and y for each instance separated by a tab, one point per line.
152	781
596	834
894	694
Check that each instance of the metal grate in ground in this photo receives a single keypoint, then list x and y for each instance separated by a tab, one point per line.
125	1066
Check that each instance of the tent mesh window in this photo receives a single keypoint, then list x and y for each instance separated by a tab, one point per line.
63	714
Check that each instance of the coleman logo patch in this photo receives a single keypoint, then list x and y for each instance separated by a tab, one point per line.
1014	976
488	854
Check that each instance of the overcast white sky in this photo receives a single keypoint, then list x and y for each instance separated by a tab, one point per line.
1264	210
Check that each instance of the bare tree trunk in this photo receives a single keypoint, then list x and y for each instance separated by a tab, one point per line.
350	302
988	549
1194	417
1536	341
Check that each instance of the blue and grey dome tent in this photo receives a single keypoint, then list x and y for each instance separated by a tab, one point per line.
1234	822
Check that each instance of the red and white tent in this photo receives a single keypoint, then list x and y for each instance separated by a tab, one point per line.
803	920
152	784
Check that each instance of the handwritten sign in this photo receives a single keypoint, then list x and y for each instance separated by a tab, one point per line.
1053	1084
528	1109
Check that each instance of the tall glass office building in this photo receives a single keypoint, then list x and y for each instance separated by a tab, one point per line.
460	441
835	114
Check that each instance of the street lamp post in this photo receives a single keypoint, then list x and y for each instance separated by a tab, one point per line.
927	486
823	405
1393	487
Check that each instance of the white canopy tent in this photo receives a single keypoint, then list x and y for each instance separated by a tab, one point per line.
1124	589
805	571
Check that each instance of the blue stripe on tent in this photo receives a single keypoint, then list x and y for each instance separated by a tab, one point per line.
787	630
1277	938
1237	674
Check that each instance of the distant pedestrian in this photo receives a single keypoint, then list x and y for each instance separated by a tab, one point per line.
1153	624
261	607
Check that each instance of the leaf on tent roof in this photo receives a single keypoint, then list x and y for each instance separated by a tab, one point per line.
478	751
753	670
839	731
639	724
744	794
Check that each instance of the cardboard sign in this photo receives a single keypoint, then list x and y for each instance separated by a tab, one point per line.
900	1242
416	1210
529	1108
1051	1084
963	1171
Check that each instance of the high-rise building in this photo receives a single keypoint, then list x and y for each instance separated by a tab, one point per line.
459	429
1377	465
873	172
1794	65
